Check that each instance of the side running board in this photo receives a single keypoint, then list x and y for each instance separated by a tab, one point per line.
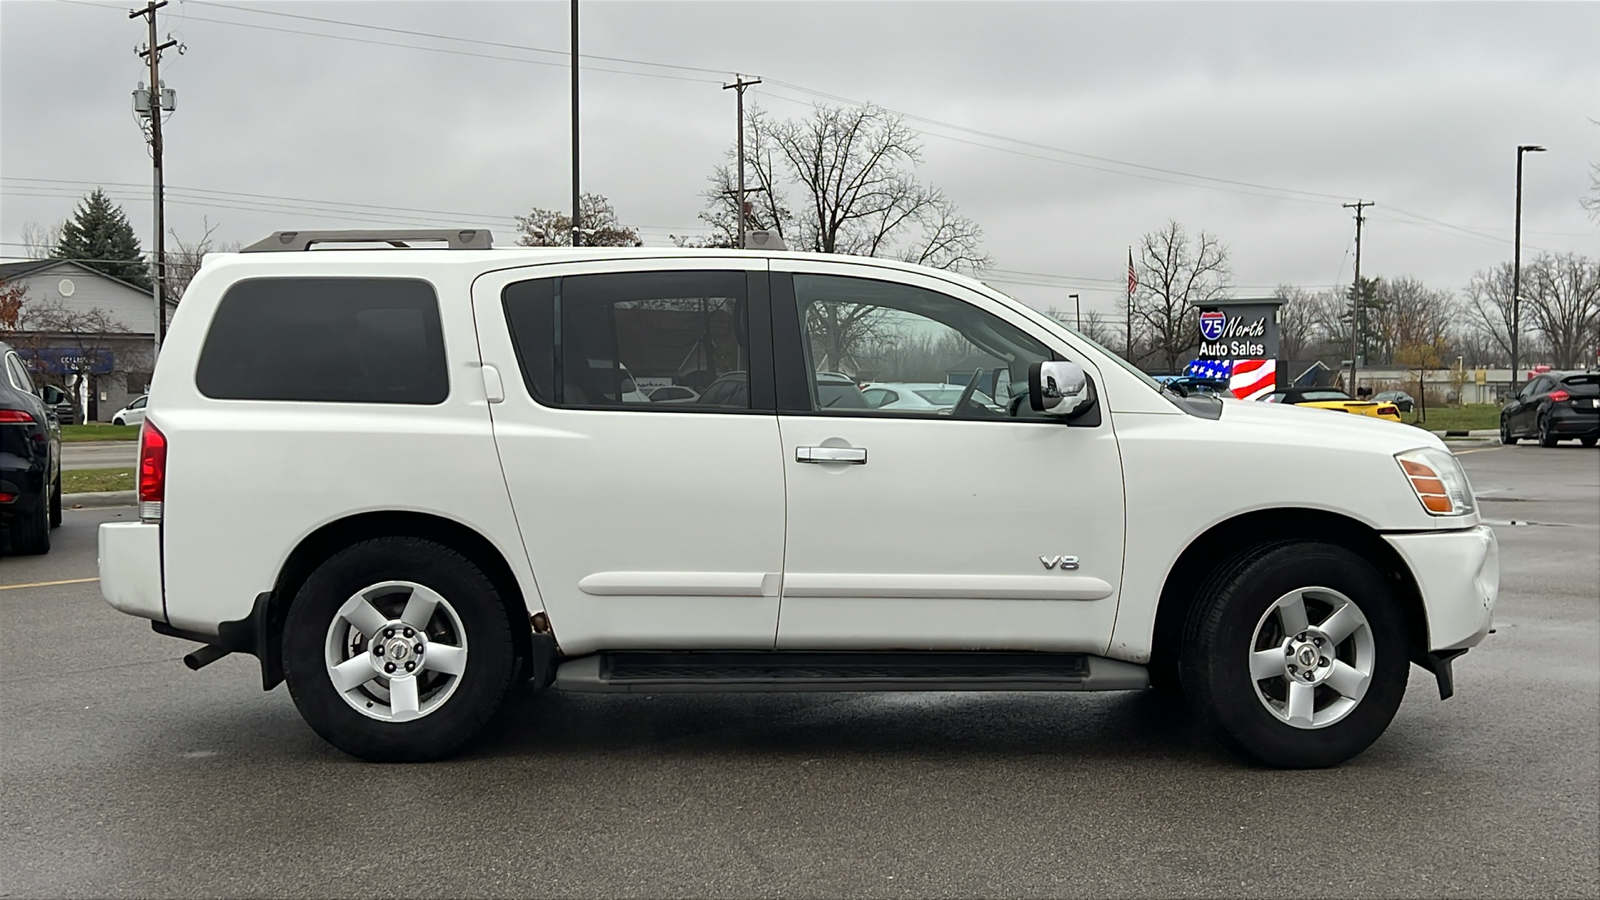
698	671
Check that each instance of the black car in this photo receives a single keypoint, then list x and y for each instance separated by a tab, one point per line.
1401	400
1554	406
30	461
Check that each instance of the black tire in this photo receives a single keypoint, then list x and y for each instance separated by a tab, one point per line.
30	534
483	684
55	504
1505	432
1215	664
1546	439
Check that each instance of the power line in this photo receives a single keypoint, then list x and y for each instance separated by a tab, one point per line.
1216	183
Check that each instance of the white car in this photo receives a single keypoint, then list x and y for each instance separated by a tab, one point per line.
1098	535
132	414
925	397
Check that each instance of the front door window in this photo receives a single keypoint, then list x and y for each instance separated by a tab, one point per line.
881	348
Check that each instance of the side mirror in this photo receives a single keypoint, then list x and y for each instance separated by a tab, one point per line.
1058	388
51	394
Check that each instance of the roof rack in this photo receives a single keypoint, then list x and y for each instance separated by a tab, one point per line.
454	238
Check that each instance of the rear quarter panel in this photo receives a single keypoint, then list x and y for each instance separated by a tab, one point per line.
248	480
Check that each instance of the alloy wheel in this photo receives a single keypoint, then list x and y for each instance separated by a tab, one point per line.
396	651
1310	674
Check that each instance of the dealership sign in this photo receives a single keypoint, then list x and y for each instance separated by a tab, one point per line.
1240	329
69	360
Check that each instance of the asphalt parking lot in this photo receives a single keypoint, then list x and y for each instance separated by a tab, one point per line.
124	774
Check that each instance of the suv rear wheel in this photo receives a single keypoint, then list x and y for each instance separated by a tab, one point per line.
398	650
1295	655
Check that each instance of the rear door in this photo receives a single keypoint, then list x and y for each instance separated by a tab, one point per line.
648	525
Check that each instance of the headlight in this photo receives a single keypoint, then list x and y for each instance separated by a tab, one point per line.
1440	483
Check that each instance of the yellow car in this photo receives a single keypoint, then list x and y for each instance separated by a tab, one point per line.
1329	398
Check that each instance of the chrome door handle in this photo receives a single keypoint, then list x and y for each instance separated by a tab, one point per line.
856	456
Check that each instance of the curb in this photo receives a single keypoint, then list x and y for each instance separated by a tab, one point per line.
98	499
1474	433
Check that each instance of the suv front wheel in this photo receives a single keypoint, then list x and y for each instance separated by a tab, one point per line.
398	650
1295	655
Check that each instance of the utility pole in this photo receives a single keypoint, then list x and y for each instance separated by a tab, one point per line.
1077	305
576	196
157	101
1355	292
739	84
1516	268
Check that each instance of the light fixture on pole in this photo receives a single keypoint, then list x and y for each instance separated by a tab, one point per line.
1516	267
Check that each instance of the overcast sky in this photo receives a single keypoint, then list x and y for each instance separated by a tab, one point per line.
1418	107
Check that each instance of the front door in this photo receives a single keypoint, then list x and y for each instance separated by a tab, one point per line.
962	520
647	524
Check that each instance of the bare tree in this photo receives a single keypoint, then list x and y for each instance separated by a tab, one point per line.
1407	313
1488	307
1562	303
1177	276
184	258
598	224
1297	321
840	181
87	336
1096	325
41	241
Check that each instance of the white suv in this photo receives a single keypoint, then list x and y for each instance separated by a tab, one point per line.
407	479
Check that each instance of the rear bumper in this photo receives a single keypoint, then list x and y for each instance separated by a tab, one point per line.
1570	423
1458	573
130	569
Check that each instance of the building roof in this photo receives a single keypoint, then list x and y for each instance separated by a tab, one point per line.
28	267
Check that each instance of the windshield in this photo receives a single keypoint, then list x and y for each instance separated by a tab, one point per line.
1137	372
948	396
1320	396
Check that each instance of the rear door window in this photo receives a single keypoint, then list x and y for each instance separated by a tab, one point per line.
328	340
589	341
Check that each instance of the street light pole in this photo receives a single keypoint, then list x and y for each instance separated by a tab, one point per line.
1078	306
1516	268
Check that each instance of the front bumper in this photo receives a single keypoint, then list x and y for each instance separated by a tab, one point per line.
1458	573
130	568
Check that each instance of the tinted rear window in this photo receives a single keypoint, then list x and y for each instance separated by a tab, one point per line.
1587	385
331	340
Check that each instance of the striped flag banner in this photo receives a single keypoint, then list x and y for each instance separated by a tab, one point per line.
1248	379
1253	379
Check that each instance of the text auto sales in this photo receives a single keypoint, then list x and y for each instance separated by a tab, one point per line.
1235	343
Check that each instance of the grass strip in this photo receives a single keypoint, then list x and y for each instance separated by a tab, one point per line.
1471	417
73	433
80	481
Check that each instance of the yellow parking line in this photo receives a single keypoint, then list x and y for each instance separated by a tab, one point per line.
13	587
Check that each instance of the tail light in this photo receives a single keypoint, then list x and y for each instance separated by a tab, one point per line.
15	417
152	472
1388	411
1559	396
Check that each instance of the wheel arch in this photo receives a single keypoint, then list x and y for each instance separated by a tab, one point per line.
329	539
1220	544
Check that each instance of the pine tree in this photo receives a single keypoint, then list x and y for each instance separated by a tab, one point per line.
98	235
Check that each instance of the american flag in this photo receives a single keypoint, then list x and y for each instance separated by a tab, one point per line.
1214	369
1133	278
1248	379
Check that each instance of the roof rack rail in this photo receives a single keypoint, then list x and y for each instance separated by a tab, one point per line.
454	238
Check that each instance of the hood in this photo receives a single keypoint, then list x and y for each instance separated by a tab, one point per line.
1326	427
